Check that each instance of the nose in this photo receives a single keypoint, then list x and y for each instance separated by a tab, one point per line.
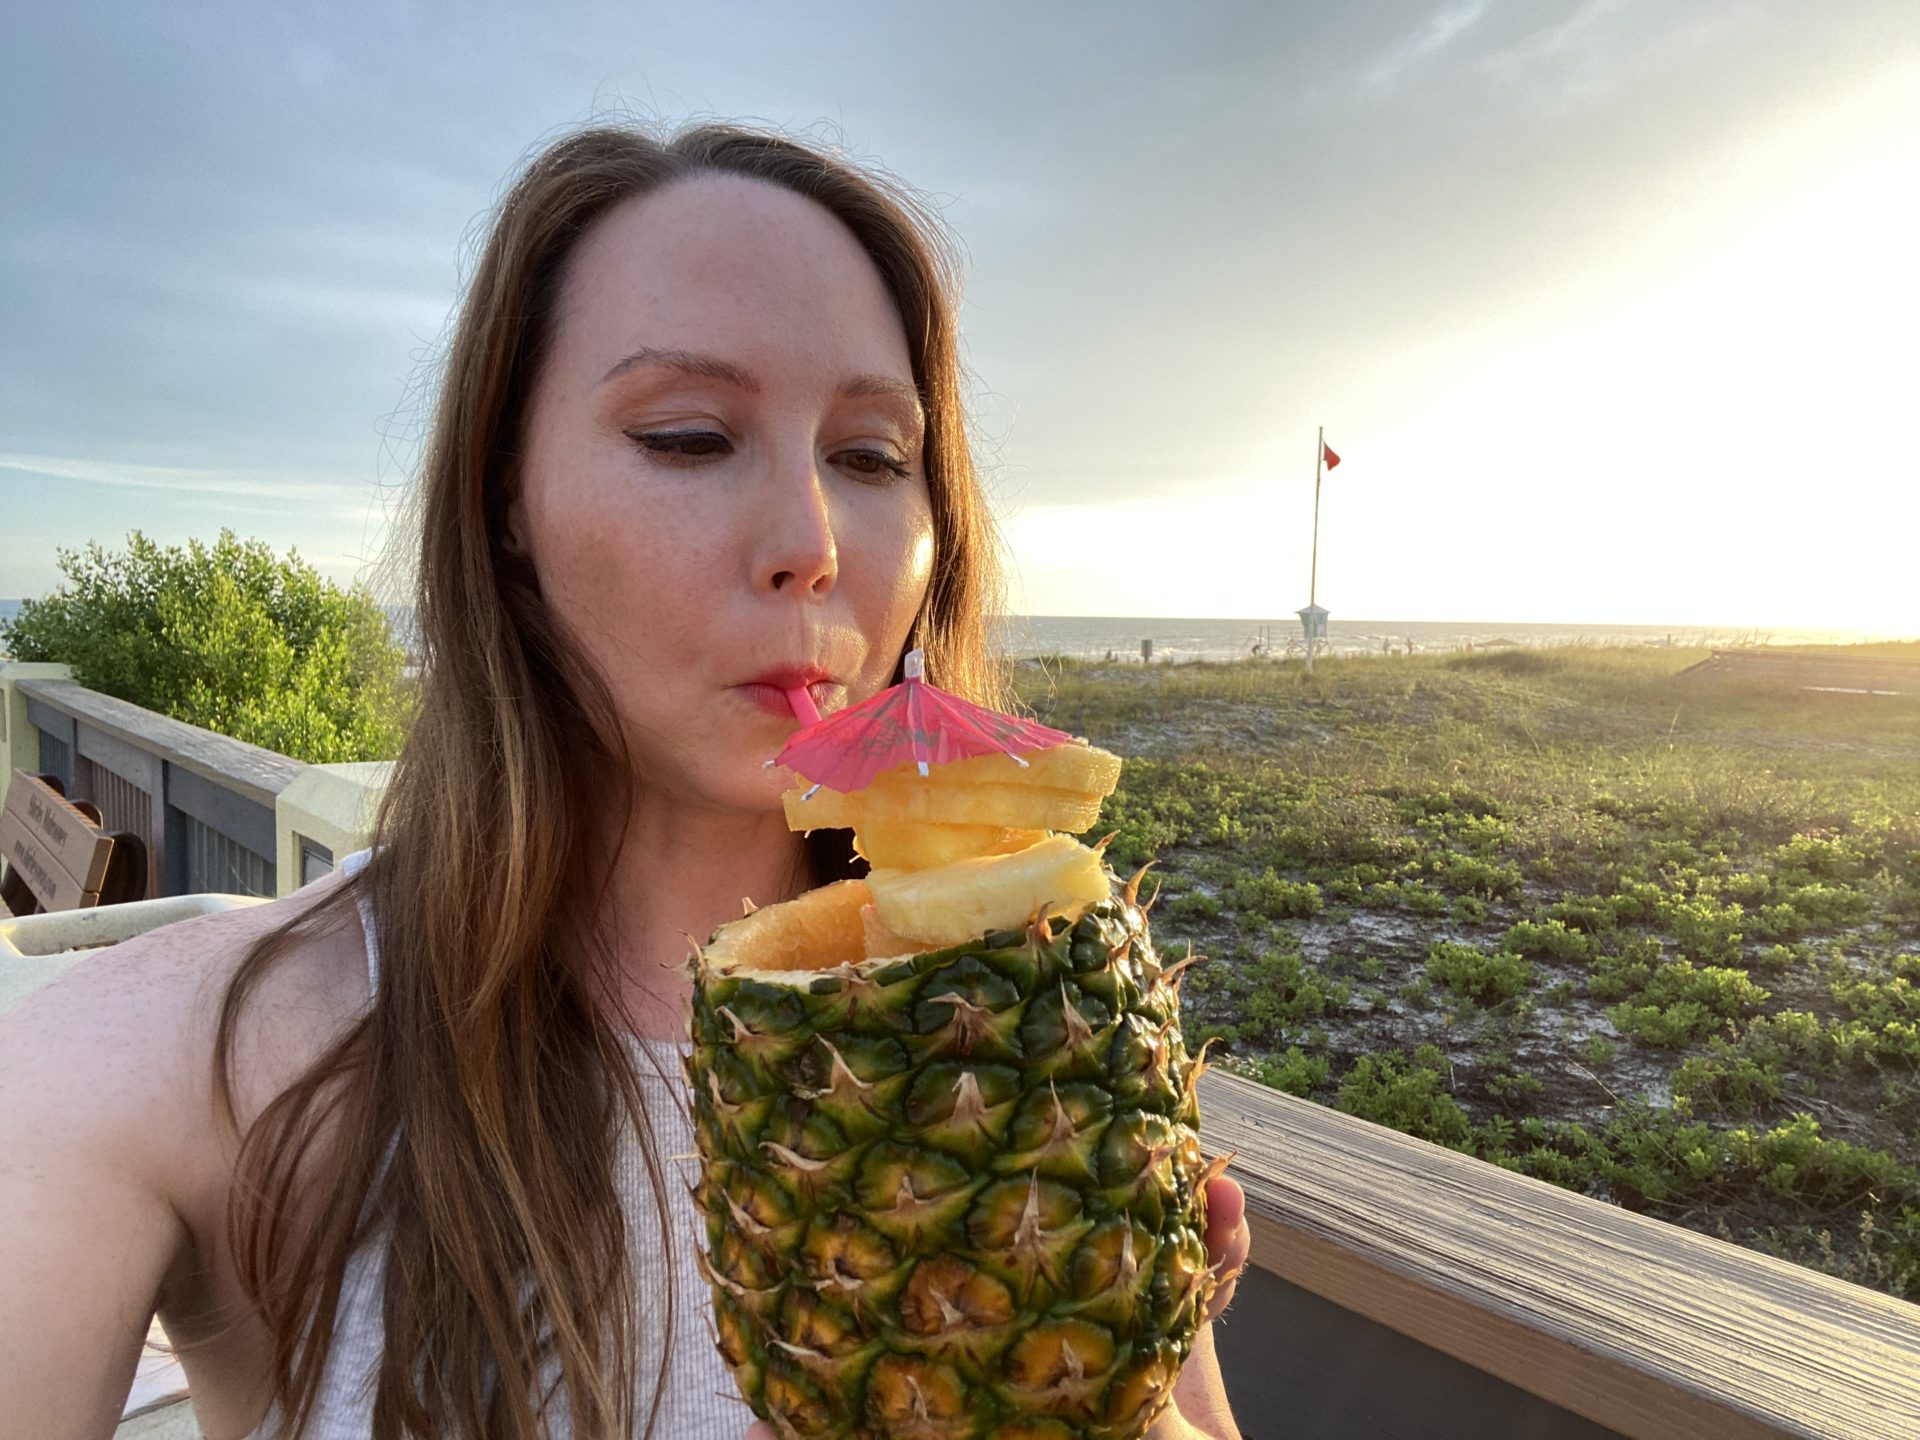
798	553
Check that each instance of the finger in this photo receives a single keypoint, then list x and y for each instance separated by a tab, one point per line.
1229	1240
761	1430
1226	1205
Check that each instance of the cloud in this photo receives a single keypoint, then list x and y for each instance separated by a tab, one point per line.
344	496
1436	35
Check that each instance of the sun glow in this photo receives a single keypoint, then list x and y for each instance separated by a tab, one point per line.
1705	422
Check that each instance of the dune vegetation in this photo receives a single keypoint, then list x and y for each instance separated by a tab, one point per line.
1651	936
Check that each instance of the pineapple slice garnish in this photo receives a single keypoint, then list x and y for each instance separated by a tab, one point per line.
967	848
989	805
964	900
903	845
1024	807
884	944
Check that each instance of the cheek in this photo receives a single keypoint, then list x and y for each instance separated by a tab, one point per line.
920	565
617	570
899	565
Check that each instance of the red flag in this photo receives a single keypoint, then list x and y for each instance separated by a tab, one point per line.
1327	450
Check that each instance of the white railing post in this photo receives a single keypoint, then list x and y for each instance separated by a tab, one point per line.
19	741
328	807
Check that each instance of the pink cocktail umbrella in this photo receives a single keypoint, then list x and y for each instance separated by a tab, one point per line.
909	721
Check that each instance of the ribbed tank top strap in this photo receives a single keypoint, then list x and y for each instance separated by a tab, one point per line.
352	865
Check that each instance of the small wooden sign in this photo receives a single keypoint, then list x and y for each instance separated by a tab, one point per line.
53	847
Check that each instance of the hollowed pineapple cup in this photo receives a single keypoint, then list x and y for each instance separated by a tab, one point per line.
952	1194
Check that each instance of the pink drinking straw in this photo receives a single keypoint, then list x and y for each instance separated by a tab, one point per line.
804	710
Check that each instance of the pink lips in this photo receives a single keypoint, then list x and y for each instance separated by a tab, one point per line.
790	691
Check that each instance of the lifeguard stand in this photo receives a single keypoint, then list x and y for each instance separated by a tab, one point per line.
1313	621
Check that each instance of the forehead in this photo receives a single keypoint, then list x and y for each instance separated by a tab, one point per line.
738	268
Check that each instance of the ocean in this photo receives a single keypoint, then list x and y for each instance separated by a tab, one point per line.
1175	640
1101	638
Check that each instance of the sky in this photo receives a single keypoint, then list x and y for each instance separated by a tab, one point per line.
1609	307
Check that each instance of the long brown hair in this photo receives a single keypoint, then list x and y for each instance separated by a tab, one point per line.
471	1114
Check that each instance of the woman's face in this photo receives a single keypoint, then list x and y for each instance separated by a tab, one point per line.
722	476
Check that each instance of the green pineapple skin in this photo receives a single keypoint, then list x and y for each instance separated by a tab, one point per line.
957	1194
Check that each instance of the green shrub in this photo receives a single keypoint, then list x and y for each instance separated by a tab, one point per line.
1407	1094
1488	977
1295	1072
1514	1088
1796	1161
1725	1083
1826	857
1473	875
1277	899
1704	928
1779	957
1785	1035
1408	895
1723	991
1749	888
1669	1027
1884	1001
1267	994
1637	901
1854	1041
1195	905
1469	909
1589	914
1547	939
1829	907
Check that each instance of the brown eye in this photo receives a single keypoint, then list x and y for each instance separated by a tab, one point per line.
873	464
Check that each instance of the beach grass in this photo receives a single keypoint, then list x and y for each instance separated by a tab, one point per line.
1648	935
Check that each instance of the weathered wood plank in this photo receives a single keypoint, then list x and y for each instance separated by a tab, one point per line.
249	770
1640	1326
55	848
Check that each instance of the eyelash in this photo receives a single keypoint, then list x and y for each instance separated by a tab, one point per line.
667	446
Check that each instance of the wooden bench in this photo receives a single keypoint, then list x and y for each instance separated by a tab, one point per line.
57	855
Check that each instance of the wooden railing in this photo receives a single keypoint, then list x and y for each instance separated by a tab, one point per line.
218	815
204	803
1640	1327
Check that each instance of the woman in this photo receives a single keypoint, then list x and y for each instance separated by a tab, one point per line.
396	1155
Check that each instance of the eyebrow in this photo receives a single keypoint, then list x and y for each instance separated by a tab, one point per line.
688	362
712	367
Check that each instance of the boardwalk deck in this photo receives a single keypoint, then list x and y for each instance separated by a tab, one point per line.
1814	670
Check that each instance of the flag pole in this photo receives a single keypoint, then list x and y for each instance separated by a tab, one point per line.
1313	577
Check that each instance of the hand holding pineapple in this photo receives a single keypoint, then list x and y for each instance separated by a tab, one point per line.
948	1128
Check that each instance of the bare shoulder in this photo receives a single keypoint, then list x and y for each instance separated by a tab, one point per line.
117	1162
120	1047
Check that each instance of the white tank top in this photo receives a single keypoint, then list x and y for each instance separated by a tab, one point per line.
700	1401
